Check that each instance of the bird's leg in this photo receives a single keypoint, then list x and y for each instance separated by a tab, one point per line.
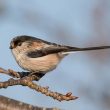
23	74
38	74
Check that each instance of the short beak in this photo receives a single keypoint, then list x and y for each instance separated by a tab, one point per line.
11	47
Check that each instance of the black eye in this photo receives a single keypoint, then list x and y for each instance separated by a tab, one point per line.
19	44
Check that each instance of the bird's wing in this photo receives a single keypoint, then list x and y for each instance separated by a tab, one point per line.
49	50
58	48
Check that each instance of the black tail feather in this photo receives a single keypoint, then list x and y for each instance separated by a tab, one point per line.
89	48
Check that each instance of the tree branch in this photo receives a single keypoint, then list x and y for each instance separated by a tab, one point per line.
25	79
10	104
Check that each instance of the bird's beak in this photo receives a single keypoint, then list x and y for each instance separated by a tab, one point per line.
11	46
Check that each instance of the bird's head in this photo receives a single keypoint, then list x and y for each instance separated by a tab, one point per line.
19	40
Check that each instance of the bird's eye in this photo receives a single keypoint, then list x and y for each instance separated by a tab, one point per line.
19	44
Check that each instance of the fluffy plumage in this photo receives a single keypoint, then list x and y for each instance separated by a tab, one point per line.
37	55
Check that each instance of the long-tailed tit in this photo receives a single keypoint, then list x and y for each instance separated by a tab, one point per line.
37	55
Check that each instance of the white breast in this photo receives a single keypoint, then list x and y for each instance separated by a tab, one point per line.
40	64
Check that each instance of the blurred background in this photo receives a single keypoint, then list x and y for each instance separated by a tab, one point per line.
80	23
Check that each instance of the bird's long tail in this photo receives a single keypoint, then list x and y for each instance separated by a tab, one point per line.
64	50
76	49
88	48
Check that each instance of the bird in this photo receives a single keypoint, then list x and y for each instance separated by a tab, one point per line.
40	56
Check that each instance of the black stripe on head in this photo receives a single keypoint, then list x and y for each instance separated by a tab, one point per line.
24	38
17	41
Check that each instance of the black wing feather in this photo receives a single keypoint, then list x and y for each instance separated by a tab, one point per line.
49	50
59	48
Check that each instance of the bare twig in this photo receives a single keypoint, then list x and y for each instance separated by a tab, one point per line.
9	72
27	81
15	74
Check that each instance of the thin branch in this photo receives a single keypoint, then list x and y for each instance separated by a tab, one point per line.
9	72
27	81
15	74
